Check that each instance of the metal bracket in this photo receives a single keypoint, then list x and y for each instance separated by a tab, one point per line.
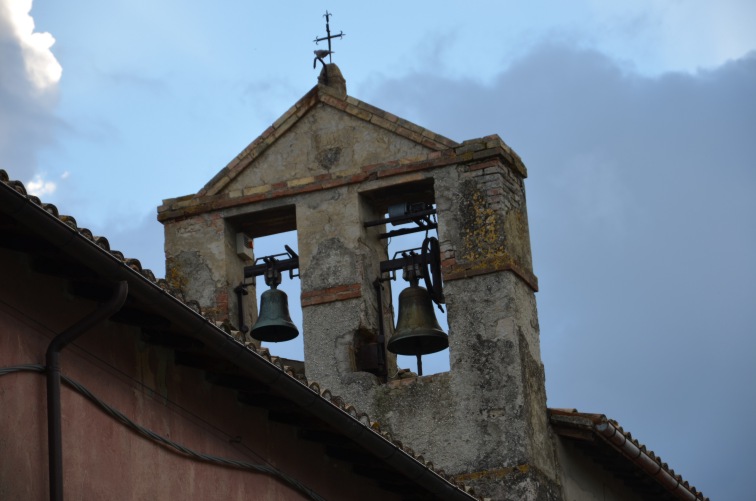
271	262
418	213
271	269
425	265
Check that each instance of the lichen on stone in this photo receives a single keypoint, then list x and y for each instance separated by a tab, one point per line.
483	236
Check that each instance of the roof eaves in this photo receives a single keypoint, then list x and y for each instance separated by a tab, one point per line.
611	433
63	232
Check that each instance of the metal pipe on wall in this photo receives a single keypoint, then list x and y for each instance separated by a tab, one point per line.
54	433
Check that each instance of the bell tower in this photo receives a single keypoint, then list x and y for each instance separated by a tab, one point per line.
340	171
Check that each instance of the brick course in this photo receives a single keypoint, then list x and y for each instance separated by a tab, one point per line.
331	294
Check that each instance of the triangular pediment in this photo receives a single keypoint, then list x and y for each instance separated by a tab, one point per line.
325	132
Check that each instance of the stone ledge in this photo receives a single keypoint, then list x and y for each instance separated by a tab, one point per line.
409	381
452	270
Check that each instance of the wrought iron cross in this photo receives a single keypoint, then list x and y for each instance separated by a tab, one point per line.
329	37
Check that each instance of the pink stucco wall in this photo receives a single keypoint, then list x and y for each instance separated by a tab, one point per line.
104	460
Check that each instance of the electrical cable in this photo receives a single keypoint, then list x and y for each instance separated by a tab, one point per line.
118	373
150	392
165	442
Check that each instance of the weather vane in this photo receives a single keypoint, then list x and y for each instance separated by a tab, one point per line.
320	54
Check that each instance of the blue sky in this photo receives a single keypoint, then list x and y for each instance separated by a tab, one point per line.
636	120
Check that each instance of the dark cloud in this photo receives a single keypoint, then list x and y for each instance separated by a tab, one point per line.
26	119
642	201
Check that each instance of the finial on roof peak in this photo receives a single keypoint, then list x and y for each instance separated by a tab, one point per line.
330	76
320	54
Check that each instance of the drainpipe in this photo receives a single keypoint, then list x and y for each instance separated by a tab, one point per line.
54	436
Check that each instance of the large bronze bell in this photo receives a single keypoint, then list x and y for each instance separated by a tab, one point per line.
274	322
417	330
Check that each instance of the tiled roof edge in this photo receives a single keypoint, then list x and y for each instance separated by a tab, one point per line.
134	266
612	433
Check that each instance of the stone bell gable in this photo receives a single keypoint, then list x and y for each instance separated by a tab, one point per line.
330	167
325	136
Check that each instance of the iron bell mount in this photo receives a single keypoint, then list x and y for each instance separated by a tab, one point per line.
274	322
417	330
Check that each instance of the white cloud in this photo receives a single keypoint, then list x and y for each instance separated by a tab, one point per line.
40	187
680	35
42	68
29	76
703	33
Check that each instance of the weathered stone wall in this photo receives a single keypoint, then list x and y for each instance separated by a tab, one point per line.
201	261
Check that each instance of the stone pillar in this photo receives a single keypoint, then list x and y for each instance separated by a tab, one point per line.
202	263
497	377
339	304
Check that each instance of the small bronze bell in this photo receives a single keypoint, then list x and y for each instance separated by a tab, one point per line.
274	322
417	330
